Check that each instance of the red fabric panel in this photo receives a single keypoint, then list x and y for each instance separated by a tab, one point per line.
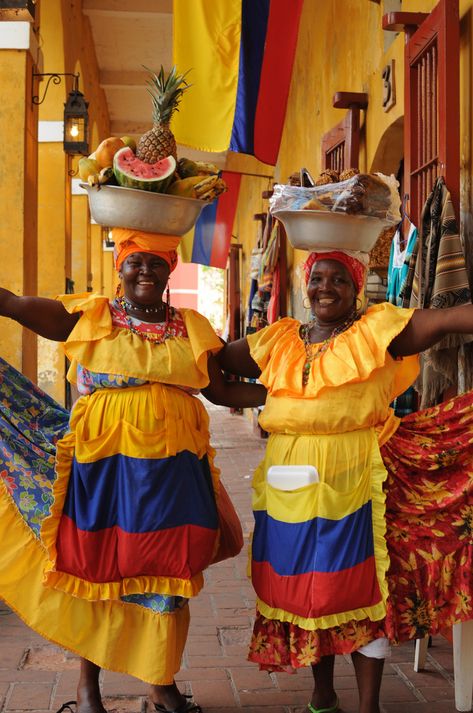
317	593
276	73
111	554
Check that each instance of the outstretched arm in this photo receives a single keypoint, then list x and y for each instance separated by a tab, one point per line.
235	358
46	317
236	394
429	326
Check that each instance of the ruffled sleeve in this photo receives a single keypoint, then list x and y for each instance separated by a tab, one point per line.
351	357
96	320
202	337
266	340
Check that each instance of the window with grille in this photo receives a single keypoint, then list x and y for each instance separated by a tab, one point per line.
431	117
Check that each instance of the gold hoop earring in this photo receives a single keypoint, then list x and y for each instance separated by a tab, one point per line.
358	309
118	291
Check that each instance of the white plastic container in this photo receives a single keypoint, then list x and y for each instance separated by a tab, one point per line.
291	477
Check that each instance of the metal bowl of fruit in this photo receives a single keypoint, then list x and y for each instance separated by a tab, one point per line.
118	207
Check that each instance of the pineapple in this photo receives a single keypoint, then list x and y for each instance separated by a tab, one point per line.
166	93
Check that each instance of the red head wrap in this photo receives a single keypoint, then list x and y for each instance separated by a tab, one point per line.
356	268
128	242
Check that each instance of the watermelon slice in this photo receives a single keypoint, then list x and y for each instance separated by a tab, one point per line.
131	172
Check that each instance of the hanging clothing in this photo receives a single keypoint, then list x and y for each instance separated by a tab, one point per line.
397	274
399	264
437	279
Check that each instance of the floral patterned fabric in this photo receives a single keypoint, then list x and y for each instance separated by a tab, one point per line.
429	518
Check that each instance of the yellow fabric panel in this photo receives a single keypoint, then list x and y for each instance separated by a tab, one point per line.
149	421
351	471
99	346
206	40
95	630
356	360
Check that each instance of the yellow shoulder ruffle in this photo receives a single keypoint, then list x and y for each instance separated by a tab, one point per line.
351	357
98	345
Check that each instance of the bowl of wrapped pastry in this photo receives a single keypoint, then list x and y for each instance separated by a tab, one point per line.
348	214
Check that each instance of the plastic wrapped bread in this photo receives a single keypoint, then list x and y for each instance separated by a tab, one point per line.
369	194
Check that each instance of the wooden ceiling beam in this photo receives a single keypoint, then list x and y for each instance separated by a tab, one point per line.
127	8
115	79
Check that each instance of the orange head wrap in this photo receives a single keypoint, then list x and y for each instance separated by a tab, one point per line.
355	267
136	241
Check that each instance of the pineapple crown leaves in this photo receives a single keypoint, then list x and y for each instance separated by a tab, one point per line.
166	92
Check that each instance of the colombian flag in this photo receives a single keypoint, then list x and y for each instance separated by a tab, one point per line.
241	53
208	243
313	553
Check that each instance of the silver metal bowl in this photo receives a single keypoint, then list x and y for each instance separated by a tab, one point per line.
313	229
118	207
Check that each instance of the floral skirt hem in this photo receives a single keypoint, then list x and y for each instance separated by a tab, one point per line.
429	519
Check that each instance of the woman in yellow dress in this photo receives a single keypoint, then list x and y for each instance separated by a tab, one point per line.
348	564
107	522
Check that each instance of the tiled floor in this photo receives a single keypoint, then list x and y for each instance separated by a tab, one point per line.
37	676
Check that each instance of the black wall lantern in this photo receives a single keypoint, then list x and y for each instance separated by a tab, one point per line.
19	10
76	117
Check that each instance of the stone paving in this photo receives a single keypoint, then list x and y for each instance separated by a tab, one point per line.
37	676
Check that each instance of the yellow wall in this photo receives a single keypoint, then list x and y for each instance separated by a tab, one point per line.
18	187
64	221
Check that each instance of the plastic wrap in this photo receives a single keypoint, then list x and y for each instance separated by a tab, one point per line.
365	194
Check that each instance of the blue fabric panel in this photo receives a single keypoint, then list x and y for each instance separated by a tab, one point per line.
254	24
318	545
166	493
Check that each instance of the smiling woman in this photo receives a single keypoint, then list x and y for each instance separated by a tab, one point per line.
344	565
130	503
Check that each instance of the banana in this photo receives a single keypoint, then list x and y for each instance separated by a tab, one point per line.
213	191
184	187
205	168
205	184
187	168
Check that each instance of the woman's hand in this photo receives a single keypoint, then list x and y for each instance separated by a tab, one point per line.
48	318
235	394
429	326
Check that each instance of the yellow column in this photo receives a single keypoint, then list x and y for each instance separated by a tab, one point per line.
18	185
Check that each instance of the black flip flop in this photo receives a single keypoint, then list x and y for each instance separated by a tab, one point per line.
186	707
67	707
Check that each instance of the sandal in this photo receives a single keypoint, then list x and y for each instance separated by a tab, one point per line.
333	709
67	707
186	707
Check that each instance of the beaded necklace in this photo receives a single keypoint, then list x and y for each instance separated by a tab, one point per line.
148	336
141	308
314	350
